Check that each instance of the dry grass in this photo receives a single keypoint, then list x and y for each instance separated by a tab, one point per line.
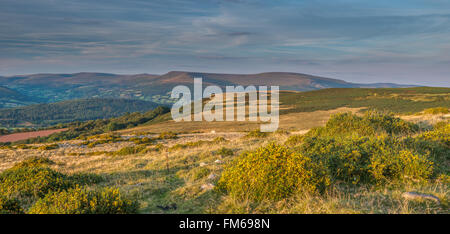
159	179
292	122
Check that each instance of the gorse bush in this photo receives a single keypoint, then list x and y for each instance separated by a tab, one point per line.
10	206
436	110
102	139
370	150
48	147
368	160
294	140
130	150
436	144
272	172
79	200
256	134
32	179
440	133
219	140
167	135
199	173
32	182
142	141
224	152
372	123
34	162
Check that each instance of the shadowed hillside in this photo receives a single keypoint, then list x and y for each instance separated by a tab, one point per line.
12	98
68	111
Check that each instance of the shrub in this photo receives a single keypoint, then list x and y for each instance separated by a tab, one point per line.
224	152
167	135
81	201
144	140
273	172
10	206
199	172
436	144
436	110
23	146
130	150
440	133
294	140
368	160
219	140
372	123
31	182
402	166
34	162
32	179
256	134
48	147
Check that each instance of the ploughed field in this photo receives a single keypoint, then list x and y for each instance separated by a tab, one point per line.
27	135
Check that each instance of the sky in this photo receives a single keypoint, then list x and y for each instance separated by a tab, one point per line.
398	41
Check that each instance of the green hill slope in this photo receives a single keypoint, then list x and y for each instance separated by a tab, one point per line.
68	111
399	100
12	98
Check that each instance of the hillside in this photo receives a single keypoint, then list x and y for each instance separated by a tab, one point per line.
68	111
303	110
398	100
60	87
12	98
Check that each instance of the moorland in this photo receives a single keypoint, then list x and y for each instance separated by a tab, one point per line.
339	150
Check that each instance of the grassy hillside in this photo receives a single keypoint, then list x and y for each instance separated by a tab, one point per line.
68	111
303	110
11	98
398	100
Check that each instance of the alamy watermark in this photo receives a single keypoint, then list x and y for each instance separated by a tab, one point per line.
235	101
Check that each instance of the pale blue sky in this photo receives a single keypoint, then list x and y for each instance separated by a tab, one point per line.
404	41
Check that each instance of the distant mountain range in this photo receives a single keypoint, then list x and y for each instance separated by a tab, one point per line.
47	88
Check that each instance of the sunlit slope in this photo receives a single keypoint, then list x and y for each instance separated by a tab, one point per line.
304	110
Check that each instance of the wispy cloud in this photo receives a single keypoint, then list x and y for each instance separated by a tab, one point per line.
375	41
